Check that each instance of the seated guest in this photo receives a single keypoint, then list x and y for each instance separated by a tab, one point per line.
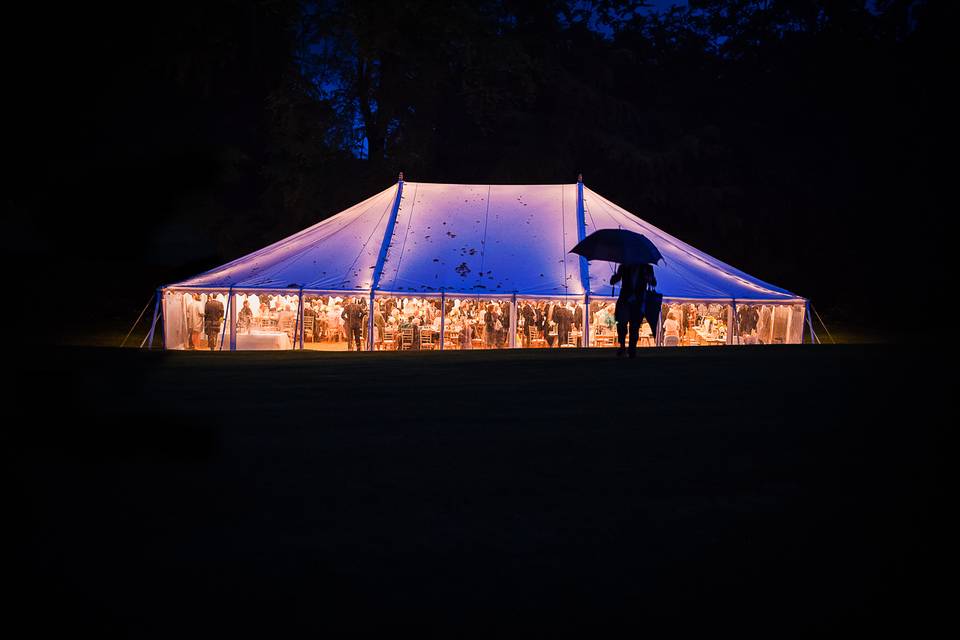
285	319
309	322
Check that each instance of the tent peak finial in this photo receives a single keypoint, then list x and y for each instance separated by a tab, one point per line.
401	177
580	177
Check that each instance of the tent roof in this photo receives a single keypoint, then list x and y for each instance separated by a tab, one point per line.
478	240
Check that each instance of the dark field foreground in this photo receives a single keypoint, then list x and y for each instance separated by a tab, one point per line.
770	489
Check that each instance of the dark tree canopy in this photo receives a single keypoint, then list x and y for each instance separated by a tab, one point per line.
782	136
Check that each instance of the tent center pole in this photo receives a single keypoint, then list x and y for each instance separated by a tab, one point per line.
584	265
382	257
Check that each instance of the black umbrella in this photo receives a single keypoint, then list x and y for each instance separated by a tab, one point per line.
618	245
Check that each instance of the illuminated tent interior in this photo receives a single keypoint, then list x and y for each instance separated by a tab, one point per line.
459	266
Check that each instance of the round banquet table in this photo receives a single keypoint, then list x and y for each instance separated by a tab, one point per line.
263	341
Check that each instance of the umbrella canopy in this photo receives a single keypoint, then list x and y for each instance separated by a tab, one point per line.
618	245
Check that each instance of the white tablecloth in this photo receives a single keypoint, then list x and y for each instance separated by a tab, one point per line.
263	341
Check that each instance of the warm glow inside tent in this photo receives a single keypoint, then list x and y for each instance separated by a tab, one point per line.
459	266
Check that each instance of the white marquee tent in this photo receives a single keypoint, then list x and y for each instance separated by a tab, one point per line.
443	246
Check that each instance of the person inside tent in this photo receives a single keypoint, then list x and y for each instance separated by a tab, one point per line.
564	317
245	317
577	311
212	316
352	316
285	319
529	317
194	311
379	324
671	328
489	327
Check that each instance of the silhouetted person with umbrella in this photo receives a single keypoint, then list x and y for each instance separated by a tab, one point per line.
636	256
635	279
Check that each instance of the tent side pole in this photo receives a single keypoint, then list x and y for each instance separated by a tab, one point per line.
789	323
156	313
773	322
370	327
513	321
443	315
586	319
163	321
584	265
659	339
731	320
382	257
302	315
223	334
299	327
233	320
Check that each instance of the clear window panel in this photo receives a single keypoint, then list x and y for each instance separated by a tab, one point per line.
195	321
406	323
176	334
267	321
335	321
770	323
476	323
695	324
798	313
549	323
603	326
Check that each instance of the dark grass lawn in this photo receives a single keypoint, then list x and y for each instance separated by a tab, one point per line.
784	489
